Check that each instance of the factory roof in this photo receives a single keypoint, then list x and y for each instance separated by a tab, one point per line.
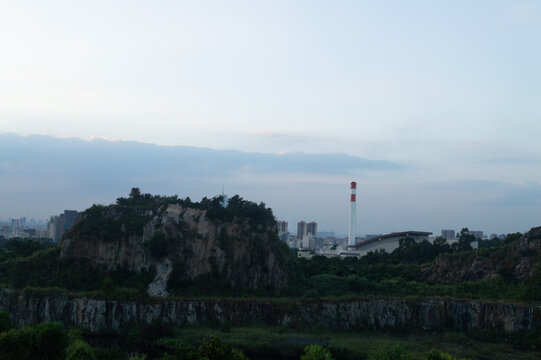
402	234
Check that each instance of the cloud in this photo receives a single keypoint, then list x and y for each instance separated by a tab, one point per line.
73	168
527	194
492	193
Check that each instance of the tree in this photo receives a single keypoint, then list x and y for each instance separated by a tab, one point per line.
46	341
80	350
405	243
135	193
214	349
316	352
464	240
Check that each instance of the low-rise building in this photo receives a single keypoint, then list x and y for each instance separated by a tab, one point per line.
388	242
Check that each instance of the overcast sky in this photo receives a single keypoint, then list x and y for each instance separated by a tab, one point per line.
450	91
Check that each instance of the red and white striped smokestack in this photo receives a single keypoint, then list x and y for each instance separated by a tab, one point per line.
353	215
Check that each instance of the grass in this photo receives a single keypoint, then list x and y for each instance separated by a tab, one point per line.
276	342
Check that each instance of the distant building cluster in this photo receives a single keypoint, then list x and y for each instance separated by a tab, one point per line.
304	228
59	224
53	229
307	237
448	234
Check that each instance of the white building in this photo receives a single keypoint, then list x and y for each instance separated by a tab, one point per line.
388	242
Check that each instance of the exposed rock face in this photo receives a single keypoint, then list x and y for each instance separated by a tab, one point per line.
182	243
109	316
518	260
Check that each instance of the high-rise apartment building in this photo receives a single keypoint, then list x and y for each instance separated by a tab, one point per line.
311	228
59	224
448	234
477	234
301	229
69	219
54	228
282	226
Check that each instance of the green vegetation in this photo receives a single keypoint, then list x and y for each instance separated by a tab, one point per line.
129	215
292	343
5	324
316	352
80	350
399	273
51	341
46	341
44	273
394	352
21	248
36	267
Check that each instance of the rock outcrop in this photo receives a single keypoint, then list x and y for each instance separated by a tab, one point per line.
113	316
516	260
181	243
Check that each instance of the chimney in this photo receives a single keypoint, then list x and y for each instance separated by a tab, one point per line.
352	219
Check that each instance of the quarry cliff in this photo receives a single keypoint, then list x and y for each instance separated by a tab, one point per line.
179	242
515	262
115	316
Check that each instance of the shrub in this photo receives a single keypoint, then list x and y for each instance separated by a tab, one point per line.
236	354
5	323
214	349
80	350
137	356
439	355
46	341
181	351
316	352
395	352
158	245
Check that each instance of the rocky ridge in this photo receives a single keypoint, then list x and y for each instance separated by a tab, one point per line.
114	316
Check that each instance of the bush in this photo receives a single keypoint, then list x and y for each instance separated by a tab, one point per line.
137	356
181	351
214	349
158	245
438	355
80	350
5	323
316	352
51	339
395	352
46	341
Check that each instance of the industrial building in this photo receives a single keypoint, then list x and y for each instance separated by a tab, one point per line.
388	242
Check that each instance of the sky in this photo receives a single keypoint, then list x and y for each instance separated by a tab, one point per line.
447	91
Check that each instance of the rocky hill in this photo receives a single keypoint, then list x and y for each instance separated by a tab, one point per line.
513	262
180	241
